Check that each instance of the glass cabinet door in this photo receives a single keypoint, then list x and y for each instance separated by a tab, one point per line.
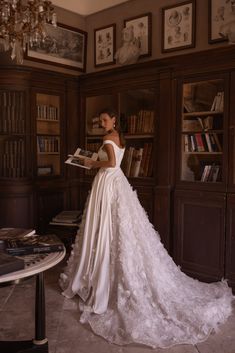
12	134
48	133
136	109
137	112
202	131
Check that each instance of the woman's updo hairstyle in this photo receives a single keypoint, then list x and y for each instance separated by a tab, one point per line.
113	114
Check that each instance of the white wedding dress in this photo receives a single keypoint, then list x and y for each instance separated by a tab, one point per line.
131	289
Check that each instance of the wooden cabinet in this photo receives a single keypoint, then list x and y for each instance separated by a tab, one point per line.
136	109
199	238
202	131
34	184
203	199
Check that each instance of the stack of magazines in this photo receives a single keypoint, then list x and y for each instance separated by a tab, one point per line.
67	218
18	241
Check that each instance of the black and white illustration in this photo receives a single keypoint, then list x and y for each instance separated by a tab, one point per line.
178	26
141	28
63	46
105	45
221	21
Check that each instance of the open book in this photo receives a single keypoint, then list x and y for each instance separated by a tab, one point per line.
78	157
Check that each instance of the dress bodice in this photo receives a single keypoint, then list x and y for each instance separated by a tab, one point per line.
119	153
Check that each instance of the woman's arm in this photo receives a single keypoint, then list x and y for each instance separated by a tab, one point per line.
110	163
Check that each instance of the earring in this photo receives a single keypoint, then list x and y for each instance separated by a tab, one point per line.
114	125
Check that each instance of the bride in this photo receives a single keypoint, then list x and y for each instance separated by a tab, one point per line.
129	287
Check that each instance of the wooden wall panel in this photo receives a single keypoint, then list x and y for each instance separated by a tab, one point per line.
199	233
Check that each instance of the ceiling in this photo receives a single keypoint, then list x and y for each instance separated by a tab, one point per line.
86	7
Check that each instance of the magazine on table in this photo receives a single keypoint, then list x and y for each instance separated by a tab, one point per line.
79	156
33	245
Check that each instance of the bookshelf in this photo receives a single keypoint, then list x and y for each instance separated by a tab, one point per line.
136	109
202	131
48	134
12	134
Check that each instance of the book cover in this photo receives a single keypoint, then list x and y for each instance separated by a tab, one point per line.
9	263
79	156
67	216
33	245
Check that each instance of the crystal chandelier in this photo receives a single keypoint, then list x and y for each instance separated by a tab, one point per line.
22	23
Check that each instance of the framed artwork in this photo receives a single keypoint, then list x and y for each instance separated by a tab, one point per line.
105	45
64	46
178	24
142	30
221	20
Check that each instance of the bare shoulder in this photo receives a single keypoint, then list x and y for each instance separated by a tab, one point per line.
112	136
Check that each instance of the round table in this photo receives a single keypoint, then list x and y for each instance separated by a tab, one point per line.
35	265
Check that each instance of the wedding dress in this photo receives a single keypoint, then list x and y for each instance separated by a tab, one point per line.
131	289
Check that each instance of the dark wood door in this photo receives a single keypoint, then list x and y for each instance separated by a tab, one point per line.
199	233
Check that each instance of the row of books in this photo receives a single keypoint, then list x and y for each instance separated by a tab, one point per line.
211	173
48	144
12	112
191	105
141	123
12	120
202	123
138	162
13	159
218	102
203	142
11	98
47	112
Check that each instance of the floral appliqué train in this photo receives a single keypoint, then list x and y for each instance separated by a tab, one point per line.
130	288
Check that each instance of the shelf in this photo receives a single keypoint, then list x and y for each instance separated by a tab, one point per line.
204	113
47	153
202	132
49	120
206	152
136	136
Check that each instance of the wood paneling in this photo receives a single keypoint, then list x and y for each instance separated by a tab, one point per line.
199	236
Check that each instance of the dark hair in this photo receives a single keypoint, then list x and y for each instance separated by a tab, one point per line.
113	114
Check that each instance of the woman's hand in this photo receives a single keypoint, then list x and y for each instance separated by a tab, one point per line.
89	163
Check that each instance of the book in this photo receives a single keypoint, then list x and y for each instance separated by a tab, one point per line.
15	233
33	245
9	263
79	156
67	217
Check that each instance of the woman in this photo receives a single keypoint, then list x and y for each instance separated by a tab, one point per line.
130	288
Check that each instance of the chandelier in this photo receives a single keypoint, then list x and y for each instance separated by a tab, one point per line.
22	23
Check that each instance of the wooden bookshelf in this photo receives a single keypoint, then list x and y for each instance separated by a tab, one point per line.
202	130
137	118
48	134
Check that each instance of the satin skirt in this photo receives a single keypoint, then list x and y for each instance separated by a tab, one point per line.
130	289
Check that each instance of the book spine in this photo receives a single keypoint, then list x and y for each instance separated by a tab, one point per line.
35	250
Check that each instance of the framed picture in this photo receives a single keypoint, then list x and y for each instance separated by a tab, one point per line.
142	28
178	24
221	20
64	46
105	45
45	170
